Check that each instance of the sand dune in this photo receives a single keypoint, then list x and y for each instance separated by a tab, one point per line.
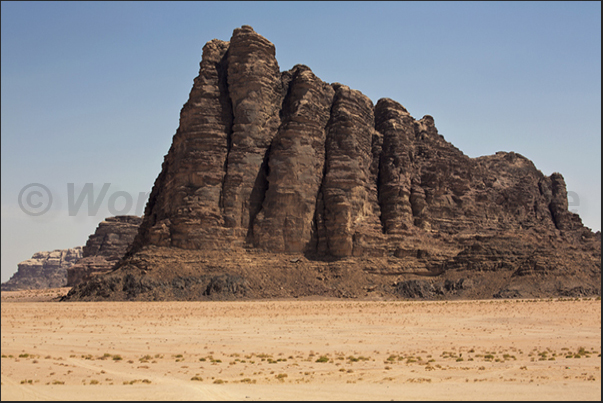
300	349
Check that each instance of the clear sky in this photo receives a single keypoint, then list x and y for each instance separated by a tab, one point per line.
92	91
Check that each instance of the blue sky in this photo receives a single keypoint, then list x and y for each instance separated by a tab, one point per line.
92	91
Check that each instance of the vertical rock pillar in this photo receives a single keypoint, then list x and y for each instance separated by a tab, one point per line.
295	165
255	88
346	198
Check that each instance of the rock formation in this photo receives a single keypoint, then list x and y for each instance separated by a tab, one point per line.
43	270
68	267
279	184
104	248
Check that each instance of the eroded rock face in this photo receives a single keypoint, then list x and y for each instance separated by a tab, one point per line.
396	166
104	248
295	165
282	162
185	205
348	194
44	270
256	93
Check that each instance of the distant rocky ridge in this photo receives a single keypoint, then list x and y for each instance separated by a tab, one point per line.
278	184
104	248
43	270
68	267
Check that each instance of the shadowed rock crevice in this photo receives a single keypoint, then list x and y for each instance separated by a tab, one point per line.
226	106
257	195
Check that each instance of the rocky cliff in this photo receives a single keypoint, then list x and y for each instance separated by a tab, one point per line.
43	270
104	248
279	184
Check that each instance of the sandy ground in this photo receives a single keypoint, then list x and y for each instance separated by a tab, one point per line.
300	350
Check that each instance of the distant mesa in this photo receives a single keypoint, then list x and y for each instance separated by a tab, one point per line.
278	184
68	267
43	270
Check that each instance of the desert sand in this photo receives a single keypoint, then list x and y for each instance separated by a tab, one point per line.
300	349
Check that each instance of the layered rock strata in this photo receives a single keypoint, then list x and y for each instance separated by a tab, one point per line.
104	248
189	208
295	165
281	162
43	270
348	200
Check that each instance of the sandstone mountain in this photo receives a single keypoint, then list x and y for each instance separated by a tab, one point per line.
43	270
278	184
104	248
